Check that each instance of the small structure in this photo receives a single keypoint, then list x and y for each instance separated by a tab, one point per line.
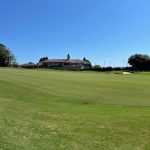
29	66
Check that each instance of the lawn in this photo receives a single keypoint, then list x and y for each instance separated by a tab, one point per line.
65	110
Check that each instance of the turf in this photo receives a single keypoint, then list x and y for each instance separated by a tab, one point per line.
65	110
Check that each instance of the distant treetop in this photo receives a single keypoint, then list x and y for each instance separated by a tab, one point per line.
43	59
84	59
68	56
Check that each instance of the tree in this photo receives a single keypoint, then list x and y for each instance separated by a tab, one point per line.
68	56
139	62
6	57
43	59
30	63
84	59
96	68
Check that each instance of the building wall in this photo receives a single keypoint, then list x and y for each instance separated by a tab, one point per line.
73	66
53	65
65	66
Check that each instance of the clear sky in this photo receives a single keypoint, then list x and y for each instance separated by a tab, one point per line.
100	30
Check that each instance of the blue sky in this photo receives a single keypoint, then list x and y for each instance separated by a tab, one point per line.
100	30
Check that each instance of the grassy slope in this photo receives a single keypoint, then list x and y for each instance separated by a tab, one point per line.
73	110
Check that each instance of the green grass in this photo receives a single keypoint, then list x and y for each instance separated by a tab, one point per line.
65	110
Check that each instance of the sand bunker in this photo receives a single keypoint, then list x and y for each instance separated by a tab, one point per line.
126	73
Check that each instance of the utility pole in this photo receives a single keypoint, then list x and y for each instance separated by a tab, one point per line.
104	63
110	63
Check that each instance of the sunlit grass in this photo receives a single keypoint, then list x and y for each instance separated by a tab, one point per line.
43	109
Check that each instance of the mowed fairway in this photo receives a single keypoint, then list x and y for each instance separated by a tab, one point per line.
54	110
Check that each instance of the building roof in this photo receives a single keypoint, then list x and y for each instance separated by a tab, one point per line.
67	61
73	61
28	65
55	60
86	62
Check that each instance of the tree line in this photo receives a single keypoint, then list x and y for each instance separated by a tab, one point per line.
138	62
